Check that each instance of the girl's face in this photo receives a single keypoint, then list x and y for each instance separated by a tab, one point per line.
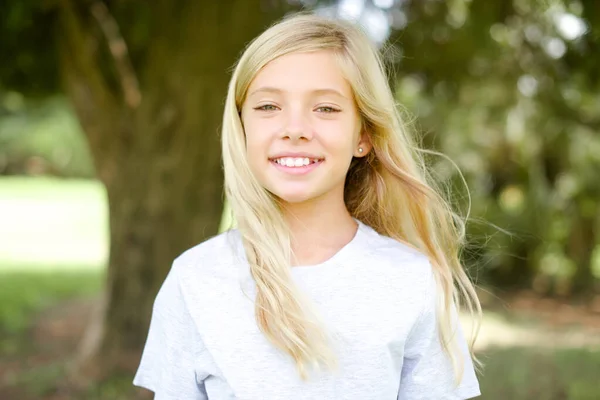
302	127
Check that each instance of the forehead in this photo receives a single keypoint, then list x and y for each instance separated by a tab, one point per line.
302	72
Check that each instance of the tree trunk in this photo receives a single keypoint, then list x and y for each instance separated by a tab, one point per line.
580	247
152	116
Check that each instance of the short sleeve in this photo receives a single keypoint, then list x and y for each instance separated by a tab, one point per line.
427	371
173	345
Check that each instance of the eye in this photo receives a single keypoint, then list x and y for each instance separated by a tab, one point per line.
328	109
266	107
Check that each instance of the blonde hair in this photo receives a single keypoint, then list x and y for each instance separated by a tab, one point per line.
389	190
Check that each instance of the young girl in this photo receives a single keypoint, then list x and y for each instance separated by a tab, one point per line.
342	279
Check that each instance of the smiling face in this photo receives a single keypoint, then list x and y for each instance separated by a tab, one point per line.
302	127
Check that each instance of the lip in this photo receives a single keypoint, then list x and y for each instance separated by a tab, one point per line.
296	155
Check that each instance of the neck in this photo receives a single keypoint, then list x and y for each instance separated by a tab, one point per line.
318	229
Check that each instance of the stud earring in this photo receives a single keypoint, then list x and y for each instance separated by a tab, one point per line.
360	149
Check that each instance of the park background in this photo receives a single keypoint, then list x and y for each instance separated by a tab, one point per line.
109	118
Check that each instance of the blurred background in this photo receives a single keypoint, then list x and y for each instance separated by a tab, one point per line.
109	120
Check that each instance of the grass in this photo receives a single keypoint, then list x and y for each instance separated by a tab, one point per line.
24	294
53	247
528	373
41	382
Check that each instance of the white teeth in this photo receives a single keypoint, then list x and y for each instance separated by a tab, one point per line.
294	161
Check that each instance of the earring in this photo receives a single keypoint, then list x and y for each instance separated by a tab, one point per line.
360	149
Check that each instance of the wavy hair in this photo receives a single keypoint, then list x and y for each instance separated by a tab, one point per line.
390	190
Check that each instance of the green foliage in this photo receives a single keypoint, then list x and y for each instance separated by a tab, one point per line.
26	29
507	91
42	138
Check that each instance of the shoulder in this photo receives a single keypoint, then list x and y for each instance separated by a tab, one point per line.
404	267
219	254
399	255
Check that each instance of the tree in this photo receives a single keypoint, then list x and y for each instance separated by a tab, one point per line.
507	89
147	80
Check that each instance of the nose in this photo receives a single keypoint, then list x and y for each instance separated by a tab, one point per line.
297	127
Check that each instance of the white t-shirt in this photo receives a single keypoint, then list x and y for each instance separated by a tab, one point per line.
376	297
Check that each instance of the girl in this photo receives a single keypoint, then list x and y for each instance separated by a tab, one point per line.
339	282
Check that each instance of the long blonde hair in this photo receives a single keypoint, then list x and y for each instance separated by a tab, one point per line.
389	189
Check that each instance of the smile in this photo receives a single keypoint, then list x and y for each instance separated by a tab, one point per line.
292	162
296	165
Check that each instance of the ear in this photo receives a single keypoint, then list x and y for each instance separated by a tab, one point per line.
364	144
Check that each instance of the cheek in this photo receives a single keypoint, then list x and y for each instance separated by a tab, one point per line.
339	138
259	130
253	149
257	143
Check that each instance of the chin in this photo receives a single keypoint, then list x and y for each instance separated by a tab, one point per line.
294	198
294	195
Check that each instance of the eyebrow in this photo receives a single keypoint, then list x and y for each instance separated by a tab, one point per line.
269	89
